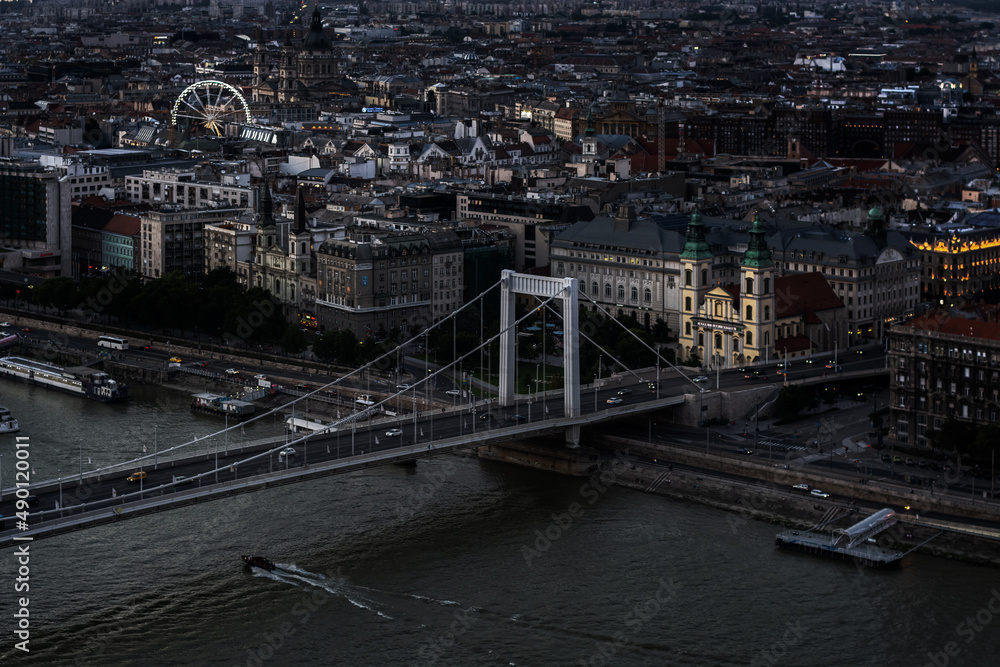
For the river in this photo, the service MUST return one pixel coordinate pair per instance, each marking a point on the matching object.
(454, 562)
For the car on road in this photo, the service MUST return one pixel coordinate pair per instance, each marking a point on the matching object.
(4, 324)
(624, 392)
(831, 364)
(897, 459)
(516, 418)
(701, 378)
(26, 330)
(910, 462)
(746, 450)
(304, 386)
(614, 400)
(782, 372)
(651, 386)
(801, 487)
(485, 415)
(886, 458)
(404, 387)
(394, 432)
(232, 371)
(454, 392)
(287, 451)
(137, 476)
(810, 361)
(175, 360)
(180, 480)
(819, 494)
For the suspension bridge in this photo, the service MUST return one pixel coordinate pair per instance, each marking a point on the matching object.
(191, 473)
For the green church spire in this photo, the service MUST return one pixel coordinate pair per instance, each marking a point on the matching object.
(696, 247)
(758, 255)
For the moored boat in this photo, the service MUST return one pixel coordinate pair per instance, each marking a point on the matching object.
(7, 423)
(81, 380)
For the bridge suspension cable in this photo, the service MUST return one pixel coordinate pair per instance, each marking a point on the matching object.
(272, 411)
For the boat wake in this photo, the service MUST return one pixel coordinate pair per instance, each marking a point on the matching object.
(296, 576)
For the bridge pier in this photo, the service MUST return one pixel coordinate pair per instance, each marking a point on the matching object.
(573, 436)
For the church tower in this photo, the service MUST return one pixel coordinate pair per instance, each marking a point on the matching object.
(757, 294)
(287, 71)
(696, 266)
(300, 239)
(267, 230)
(589, 143)
(260, 68)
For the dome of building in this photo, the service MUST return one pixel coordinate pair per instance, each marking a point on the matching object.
(316, 39)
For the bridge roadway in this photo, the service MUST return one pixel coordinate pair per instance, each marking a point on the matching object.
(93, 499)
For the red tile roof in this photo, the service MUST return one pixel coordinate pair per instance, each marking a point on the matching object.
(126, 225)
(804, 294)
(942, 322)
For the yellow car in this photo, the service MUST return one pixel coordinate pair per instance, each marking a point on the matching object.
(136, 476)
(175, 360)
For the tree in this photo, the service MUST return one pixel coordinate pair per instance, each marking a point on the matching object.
(293, 341)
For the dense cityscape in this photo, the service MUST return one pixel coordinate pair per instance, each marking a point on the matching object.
(778, 225)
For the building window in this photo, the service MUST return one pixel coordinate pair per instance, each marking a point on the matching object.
(687, 328)
(704, 277)
(767, 313)
(750, 338)
(687, 277)
(767, 286)
(607, 290)
(749, 312)
(749, 289)
(687, 303)
(718, 341)
(635, 293)
(767, 338)
(594, 289)
(621, 292)
(647, 295)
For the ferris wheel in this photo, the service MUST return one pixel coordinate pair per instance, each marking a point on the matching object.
(210, 104)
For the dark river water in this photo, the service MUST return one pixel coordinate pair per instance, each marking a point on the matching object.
(455, 562)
